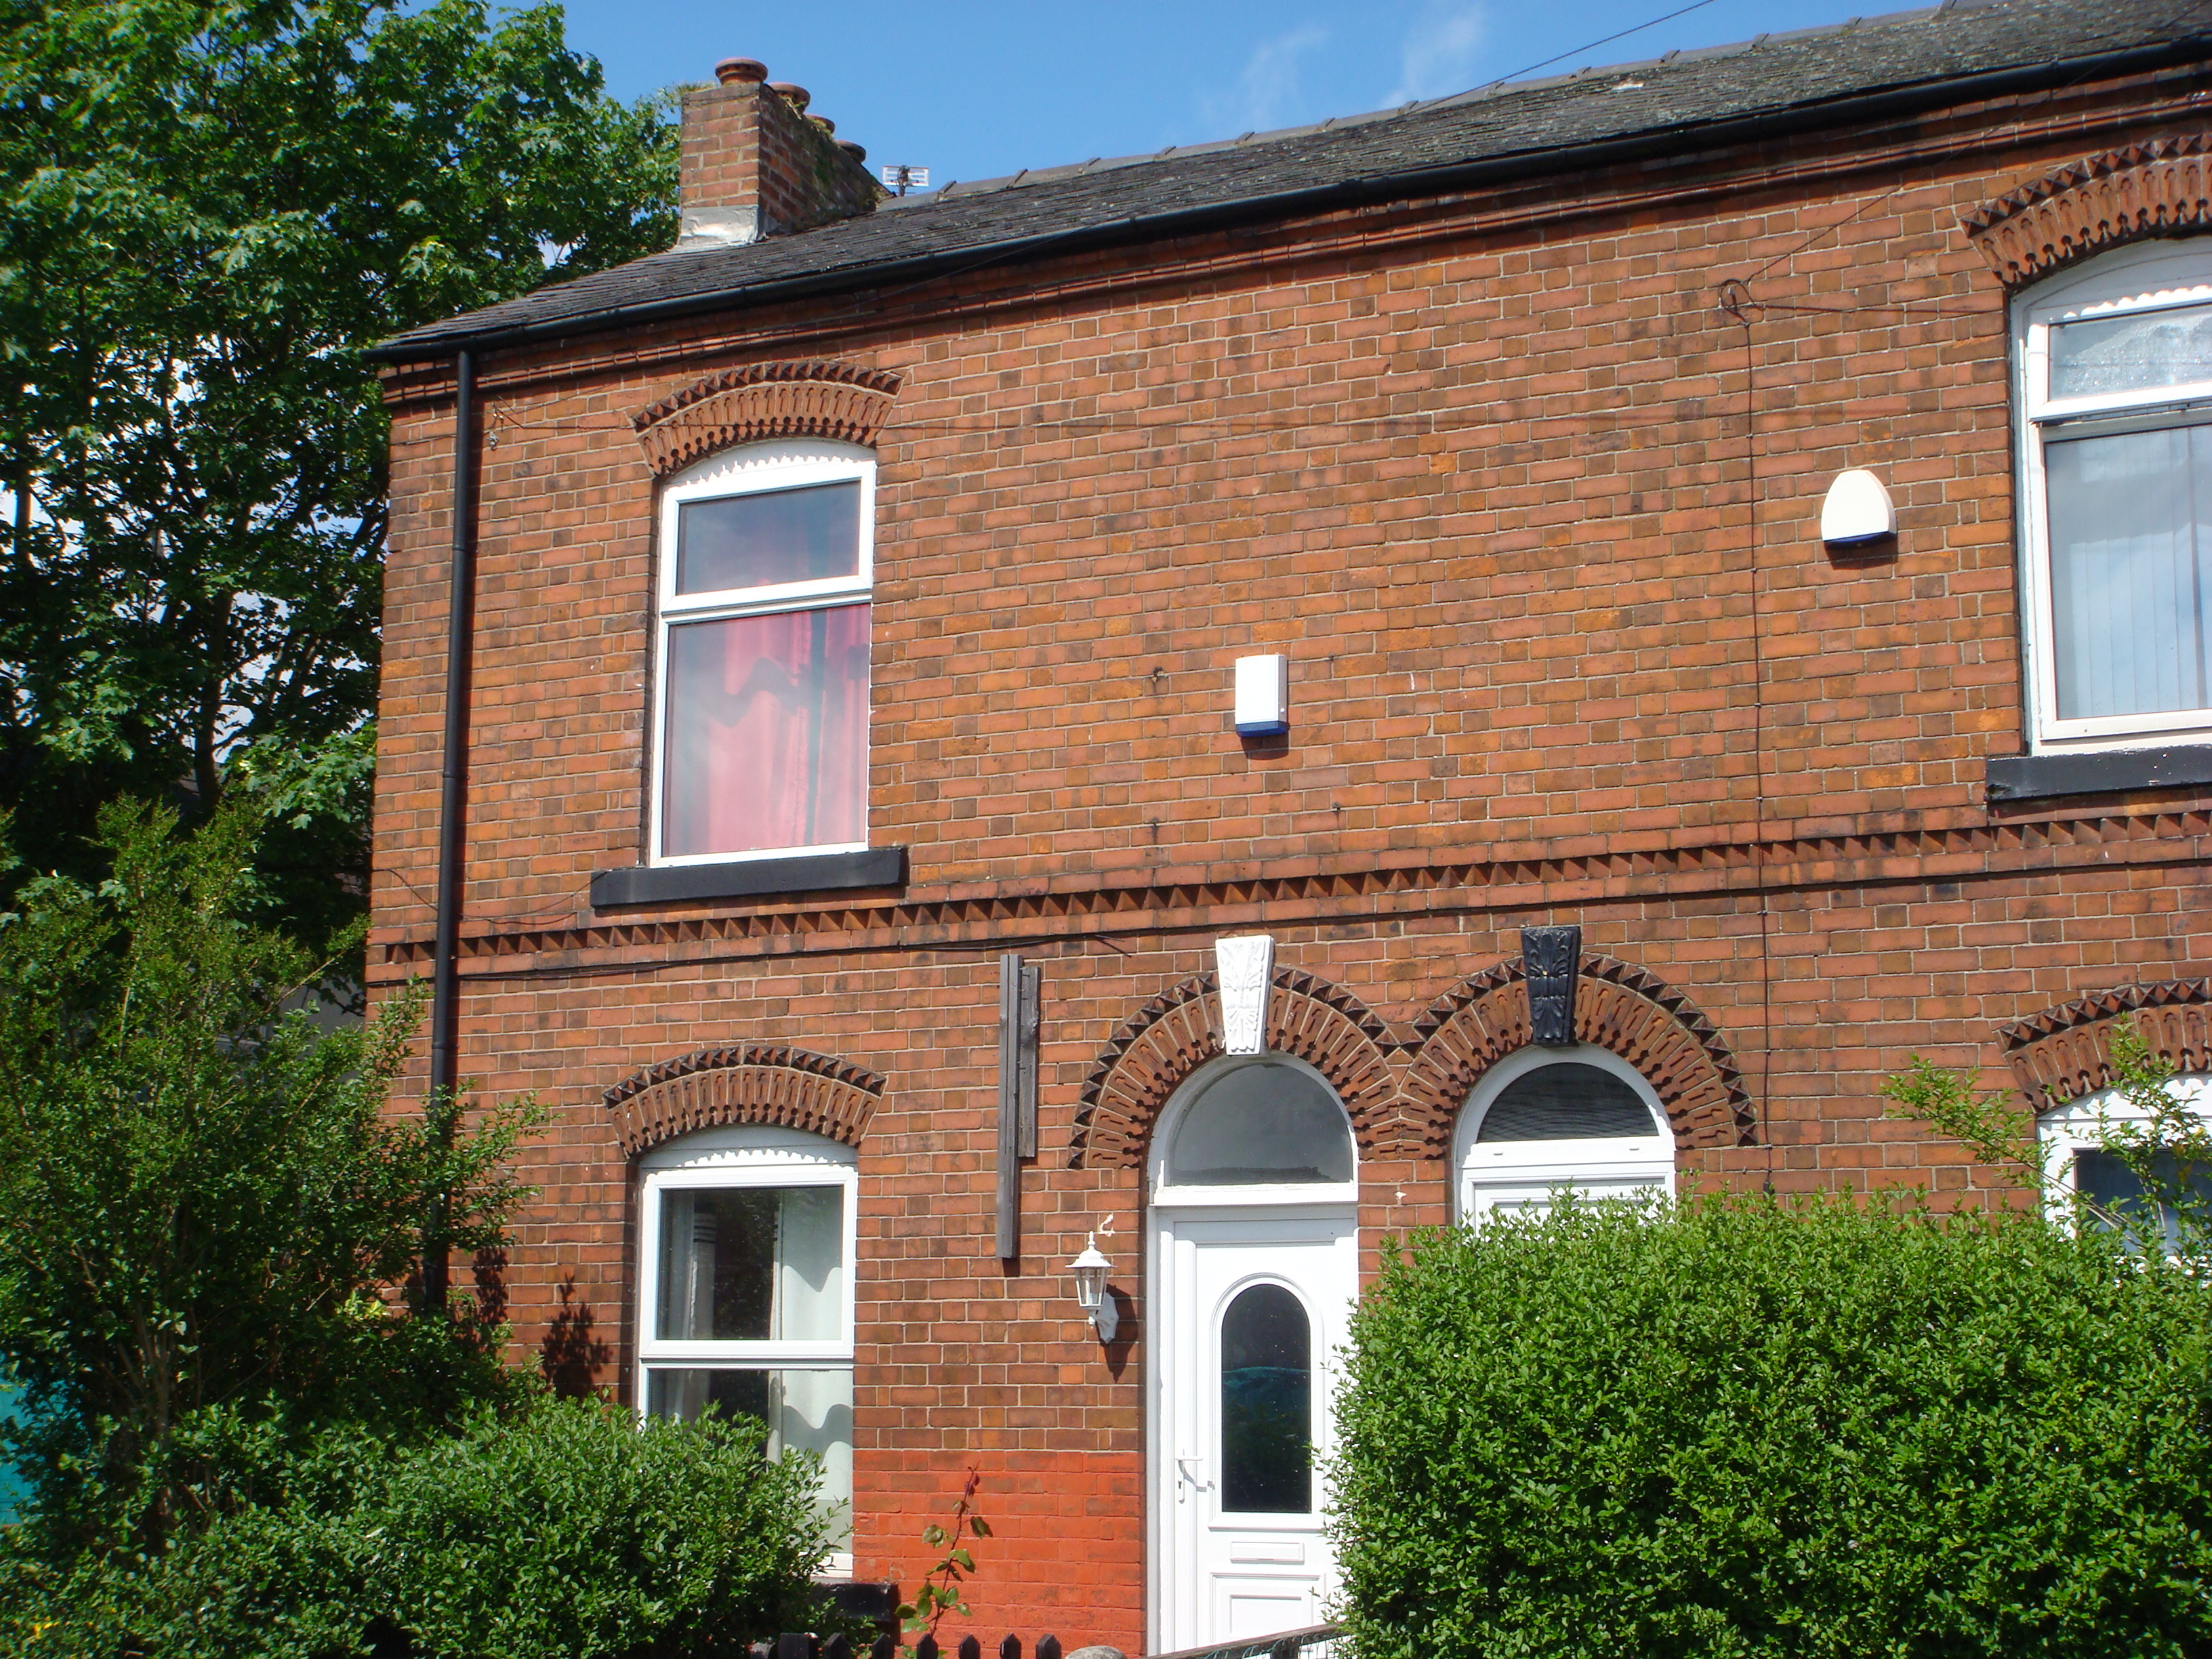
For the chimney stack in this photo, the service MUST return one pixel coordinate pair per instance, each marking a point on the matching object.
(755, 164)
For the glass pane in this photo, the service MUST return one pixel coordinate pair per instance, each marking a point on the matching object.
(1266, 1404)
(1568, 1101)
(767, 732)
(2139, 352)
(1261, 1123)
(752, 1264)
(809, 1410)
(2106, 1181)
(764, 540)
(2130, 545)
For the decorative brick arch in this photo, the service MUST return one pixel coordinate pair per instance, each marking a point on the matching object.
(1177, 1032)
(2066, 1052)
(1618, 1007)
(786, 1087)
(744, 405)
(2163, 188)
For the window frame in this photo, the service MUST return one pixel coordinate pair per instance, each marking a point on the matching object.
(2147, 277)
(760, 469)
(1563, 1162)
(2063, 1130)
(1256, 1194)
(744, 1156)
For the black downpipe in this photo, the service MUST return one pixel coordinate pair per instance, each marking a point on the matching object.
(452, 805)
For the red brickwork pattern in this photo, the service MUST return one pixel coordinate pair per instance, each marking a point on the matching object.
(2065, 1053)
(1176, 1033)
(1619, 1007)
(2161, 188)
(786, 1087)
(761, 401)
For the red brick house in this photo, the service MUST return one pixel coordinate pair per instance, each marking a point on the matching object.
(1241, 700)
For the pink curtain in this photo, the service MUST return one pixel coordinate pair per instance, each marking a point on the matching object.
(767, 743)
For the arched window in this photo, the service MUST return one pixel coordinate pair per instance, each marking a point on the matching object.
(1268, 1122)
(2113, 390)
(1266, 1403)
(746, 1291)
(1546, 1118)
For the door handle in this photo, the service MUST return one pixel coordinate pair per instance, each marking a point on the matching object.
(1185, 1478)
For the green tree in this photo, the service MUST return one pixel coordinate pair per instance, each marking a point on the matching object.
(202, 1196)
(210, 208)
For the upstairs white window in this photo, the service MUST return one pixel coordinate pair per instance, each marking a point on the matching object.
(766, 557)
(2115, 367)
(745, 1290)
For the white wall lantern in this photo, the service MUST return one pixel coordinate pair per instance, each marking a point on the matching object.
(1858, 509)
(1090, 1270)
(1263, 697)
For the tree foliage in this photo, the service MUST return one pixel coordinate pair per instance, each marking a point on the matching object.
(211, 207)
(1749, 1429)
(202, 1195)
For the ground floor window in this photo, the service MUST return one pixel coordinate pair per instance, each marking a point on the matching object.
(1545, 1119)
(745, 1290)
(2079, 1164)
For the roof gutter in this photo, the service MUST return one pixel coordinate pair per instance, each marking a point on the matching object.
(1428, 181)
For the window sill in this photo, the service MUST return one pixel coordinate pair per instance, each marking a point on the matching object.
(809, 873)
(2032, 777)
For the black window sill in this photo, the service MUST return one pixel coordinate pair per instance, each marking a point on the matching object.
(2032, 777)
(808, 873)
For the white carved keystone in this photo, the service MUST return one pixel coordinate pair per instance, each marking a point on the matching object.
(1246, 964)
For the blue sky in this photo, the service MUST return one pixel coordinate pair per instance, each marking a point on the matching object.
(974, 90)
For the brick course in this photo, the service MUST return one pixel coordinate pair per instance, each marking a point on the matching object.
(1532, 505)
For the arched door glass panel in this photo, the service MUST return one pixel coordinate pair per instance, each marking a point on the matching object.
(1261, 1125)
(1568, 1101)
(1266, 1404)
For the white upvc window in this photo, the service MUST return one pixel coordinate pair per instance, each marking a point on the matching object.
(1545, 1119)
(766, 557)
(2114, 383)
(745, 1290)
(2078, 1164)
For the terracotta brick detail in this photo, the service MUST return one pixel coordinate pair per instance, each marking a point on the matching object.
(2160, 188)
(765, 400)
(787, 1087)
(2066, 1052)
(1178, 1031)
(1619, 1007)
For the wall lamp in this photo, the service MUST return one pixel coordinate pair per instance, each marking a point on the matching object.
(1090, 1270)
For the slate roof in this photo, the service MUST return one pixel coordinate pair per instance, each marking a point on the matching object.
(1531, 127)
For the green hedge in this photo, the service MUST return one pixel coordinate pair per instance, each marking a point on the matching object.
(575, 1531)
(1750, 1428)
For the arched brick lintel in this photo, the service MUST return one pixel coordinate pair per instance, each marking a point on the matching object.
(2066, 1052)
(788, 1088)
(2161, 188)
(809, 399)
(1619, 1007)
(1160, 1045)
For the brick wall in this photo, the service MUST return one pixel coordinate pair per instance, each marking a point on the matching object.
(1535, 519)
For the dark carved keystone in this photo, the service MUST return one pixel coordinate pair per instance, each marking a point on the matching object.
(1549, 957)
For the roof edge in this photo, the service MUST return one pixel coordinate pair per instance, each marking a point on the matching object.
(1788, 119)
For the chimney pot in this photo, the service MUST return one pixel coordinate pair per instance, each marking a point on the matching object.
(735, 69)
(791, 93)
(824, 122)
(852, 149)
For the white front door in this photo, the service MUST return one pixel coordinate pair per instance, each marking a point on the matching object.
(1252, 1307)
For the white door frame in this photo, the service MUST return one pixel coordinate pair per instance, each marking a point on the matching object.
(1293, 1213)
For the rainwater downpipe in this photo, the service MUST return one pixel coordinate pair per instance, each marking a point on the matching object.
(453, 805)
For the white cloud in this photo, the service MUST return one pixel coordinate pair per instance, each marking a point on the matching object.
(1440, 51)
(1270, 90)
